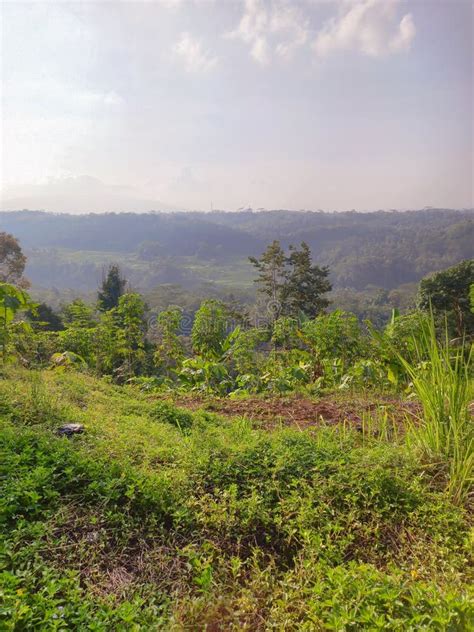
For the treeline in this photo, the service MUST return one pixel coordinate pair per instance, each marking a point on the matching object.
(286, 341)
(382, 249)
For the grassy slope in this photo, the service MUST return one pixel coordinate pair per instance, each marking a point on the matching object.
(157, 518)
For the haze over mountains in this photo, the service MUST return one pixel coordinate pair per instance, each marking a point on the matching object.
(79, 194)
(362, 250)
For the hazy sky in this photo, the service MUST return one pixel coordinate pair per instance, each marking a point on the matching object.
(332, 104)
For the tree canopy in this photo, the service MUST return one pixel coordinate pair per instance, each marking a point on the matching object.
(12, 261)
(447, 294)
(112, 288)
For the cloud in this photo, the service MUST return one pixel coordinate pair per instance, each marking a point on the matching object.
(276, 28)
(191, 53)
(366, 26)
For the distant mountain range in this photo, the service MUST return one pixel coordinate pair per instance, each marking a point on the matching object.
(383, 249)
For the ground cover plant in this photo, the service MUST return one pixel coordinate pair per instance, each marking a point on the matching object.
(160, 518)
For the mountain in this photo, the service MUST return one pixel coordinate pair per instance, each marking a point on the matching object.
(383, 249)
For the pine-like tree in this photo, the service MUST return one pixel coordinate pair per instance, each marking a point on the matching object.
(113, 287)
(271, 275)
(305, 285)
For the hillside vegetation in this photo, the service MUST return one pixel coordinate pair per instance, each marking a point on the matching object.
(207, 471)
(159, 518)
(383, 249)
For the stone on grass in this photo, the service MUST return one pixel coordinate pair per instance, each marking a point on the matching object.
(70, 429)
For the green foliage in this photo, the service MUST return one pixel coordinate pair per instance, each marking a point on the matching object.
(169, 354)
(363, 250)
(245, 354)
(285, 332)
(271, 274)
(44, 318)
(12, 261)
(286, 371)
(209, 376)
(130, 328)
(159, 518)
(79, 340)
(34, 348)
(292, 284)
(112, 288)
(12, 300)
(399, 339)
(306, 284)
(447, 294)
(441, 380)
(79, 315)
(334, 336)
(168, 413)
(108, 353)
(210, 329)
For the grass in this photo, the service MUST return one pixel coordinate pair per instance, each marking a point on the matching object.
(445, 432)
(161, 519)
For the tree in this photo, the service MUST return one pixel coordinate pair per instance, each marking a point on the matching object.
(305, 284)
(292, 283)
(210, 329)
(271, 277)
(12, 261)
(112, 288)
(447, 294)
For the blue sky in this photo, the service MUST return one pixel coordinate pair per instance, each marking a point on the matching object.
(331, 104)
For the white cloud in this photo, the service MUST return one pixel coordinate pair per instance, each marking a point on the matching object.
(192, 54)
(367, 26)
(260, 51)
(271, 28)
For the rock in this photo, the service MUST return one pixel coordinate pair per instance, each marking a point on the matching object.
(70, 429)
(66, 359)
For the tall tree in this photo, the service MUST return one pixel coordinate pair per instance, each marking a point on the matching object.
(271, 275)
(113, 287)
(306, 284)
(447, 292)
(12, 261)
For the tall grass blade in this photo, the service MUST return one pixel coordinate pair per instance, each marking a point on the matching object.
(440, 376)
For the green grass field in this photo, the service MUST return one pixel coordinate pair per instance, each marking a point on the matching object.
(156, 518)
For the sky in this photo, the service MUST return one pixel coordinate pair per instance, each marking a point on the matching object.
(228, 104)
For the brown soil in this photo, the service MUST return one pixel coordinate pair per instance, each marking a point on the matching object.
(302, 412)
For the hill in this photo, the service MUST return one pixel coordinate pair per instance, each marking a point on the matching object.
(363, 250)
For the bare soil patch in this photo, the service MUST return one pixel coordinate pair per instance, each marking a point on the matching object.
(303, 412)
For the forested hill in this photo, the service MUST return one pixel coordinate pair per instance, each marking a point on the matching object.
(384, 249)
